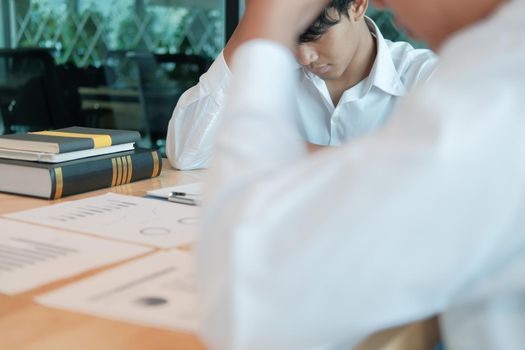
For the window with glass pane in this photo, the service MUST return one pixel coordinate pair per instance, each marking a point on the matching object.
(131, 59)
(82, 31)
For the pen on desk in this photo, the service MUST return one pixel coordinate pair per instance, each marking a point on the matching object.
(183, 198)
(182, 194)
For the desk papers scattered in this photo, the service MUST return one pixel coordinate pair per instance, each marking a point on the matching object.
(129, 218)
(31, 256)
(194, 189)
(157, 290)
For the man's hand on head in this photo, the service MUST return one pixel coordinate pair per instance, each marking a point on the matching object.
(280, 20)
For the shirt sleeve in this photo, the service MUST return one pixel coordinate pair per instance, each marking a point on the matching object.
(301, 251)
(421, 65)
(193, 123)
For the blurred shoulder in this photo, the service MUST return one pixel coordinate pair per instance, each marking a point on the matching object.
(412, 64)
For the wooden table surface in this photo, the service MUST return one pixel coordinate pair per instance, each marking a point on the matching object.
(27, 325)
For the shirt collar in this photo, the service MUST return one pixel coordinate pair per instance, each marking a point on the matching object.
(384, 74)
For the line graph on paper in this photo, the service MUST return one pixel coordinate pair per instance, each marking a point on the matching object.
(157, 290)
(134, 219)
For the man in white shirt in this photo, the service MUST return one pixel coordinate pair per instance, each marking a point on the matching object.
(425, 216)
(351, 78)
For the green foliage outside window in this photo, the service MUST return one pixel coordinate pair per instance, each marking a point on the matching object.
(85, 38)
(385, 22)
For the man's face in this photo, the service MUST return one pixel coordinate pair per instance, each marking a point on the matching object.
(329, 56)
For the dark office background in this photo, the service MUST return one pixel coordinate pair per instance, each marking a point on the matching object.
(111, 63)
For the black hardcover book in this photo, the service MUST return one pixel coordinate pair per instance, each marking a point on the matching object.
(66, 140)
(58, 180)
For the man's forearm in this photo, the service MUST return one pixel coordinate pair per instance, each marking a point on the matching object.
(193, 123)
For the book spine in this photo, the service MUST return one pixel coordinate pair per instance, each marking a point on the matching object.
(88, 176)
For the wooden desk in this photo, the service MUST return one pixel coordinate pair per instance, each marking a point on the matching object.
(25, 325)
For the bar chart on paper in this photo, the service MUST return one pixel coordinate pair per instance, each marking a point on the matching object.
(31, 255)
(140, 220)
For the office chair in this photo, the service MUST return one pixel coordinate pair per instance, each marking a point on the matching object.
(163, 78)
(23, 100)
(35, 94)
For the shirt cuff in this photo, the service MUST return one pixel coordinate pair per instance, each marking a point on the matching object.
(269, 75)
(264, 52)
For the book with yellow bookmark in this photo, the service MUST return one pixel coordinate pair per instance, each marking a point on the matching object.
(56, 180)
(66, 144)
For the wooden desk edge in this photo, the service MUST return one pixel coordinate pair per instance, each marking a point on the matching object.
(20, 311)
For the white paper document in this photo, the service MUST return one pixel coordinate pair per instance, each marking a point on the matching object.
(157, 290)
(194, 189)
(31, 256)
(129, 218)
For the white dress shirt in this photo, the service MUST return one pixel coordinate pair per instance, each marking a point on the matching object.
(361, 109)
(425, 216)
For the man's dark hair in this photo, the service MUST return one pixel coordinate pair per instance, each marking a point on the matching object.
(325, 21)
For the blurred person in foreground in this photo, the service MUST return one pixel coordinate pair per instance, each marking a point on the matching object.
(425, 216)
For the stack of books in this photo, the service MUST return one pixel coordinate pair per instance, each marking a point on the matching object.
(54, 164)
